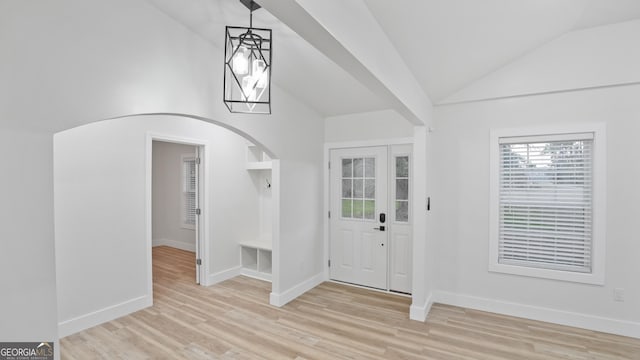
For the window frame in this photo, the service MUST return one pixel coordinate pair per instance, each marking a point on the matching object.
(597, 274)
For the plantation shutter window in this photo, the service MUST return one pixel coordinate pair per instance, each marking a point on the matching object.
(545, 197)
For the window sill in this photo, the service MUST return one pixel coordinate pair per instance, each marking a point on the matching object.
(576, 277)
(187, 227)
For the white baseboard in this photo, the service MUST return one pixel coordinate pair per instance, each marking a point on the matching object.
(579, 320)
(174, 244)
(72, 326)
(283, 298)
(256, 274)
(419, 312)
(221, 276)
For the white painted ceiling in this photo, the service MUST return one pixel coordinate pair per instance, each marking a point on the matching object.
(447, 44)
(298, 68)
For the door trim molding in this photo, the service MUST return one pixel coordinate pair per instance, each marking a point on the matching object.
(328, 146)
(366, 143)
(204, 202)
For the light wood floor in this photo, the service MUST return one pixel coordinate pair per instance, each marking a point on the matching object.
(232, 320)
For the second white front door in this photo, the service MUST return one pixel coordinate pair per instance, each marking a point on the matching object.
(359, 233)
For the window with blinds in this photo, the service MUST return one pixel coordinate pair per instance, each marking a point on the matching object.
(547, 207)
(189, 192)
(545, 202)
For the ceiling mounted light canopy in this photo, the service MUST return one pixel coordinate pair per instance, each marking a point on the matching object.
(247, 67)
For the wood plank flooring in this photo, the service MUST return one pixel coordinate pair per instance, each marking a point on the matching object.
(232, 320)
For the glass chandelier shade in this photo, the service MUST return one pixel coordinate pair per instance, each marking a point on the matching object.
(247, 69)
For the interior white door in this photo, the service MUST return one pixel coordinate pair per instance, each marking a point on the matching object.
(358, 236)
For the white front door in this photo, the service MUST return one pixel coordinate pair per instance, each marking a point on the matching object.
(359, 236)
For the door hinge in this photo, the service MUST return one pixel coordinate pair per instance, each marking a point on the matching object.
(329, 164)
(198, 211)
(329, 214)
(198, 261)
(198, 161)
(329, 263)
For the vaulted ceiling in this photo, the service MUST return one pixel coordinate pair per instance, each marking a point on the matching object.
(298, 67)
(446, 44)
(449, 44)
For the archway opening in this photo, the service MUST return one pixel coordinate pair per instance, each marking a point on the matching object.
(103, 211)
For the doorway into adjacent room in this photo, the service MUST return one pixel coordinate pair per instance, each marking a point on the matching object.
(176, 208)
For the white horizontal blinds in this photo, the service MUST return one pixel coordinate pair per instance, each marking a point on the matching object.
(546, 202)
(189, 191)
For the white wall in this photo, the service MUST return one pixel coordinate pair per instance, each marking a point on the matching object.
(462, 206)
(545, 86)
(65, 64)
(148, 63)
(261, 179)
(300, 241)
(383, 124)
(167, 195)
(27, 297)
(100, 206)
(424, 245)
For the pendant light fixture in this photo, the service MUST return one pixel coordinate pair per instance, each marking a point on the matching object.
(247, 67)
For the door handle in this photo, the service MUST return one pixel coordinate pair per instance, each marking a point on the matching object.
(381, 228)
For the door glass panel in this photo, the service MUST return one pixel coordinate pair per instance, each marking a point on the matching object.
(358, 188)
(358, 168)
(347, 168)
(358, 209)
(370, 167)
(402, 166)
(402, 189)
(346, 208)
(358, 183)
(402, 211)
(370, 188)
(346, 188)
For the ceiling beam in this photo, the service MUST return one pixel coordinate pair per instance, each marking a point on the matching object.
(348, 34)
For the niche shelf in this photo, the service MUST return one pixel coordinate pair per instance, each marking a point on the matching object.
(257, 159)
(259, 165)
(255, 257)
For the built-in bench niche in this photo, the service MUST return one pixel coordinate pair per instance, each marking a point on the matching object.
(256, 254)
(256, 259)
